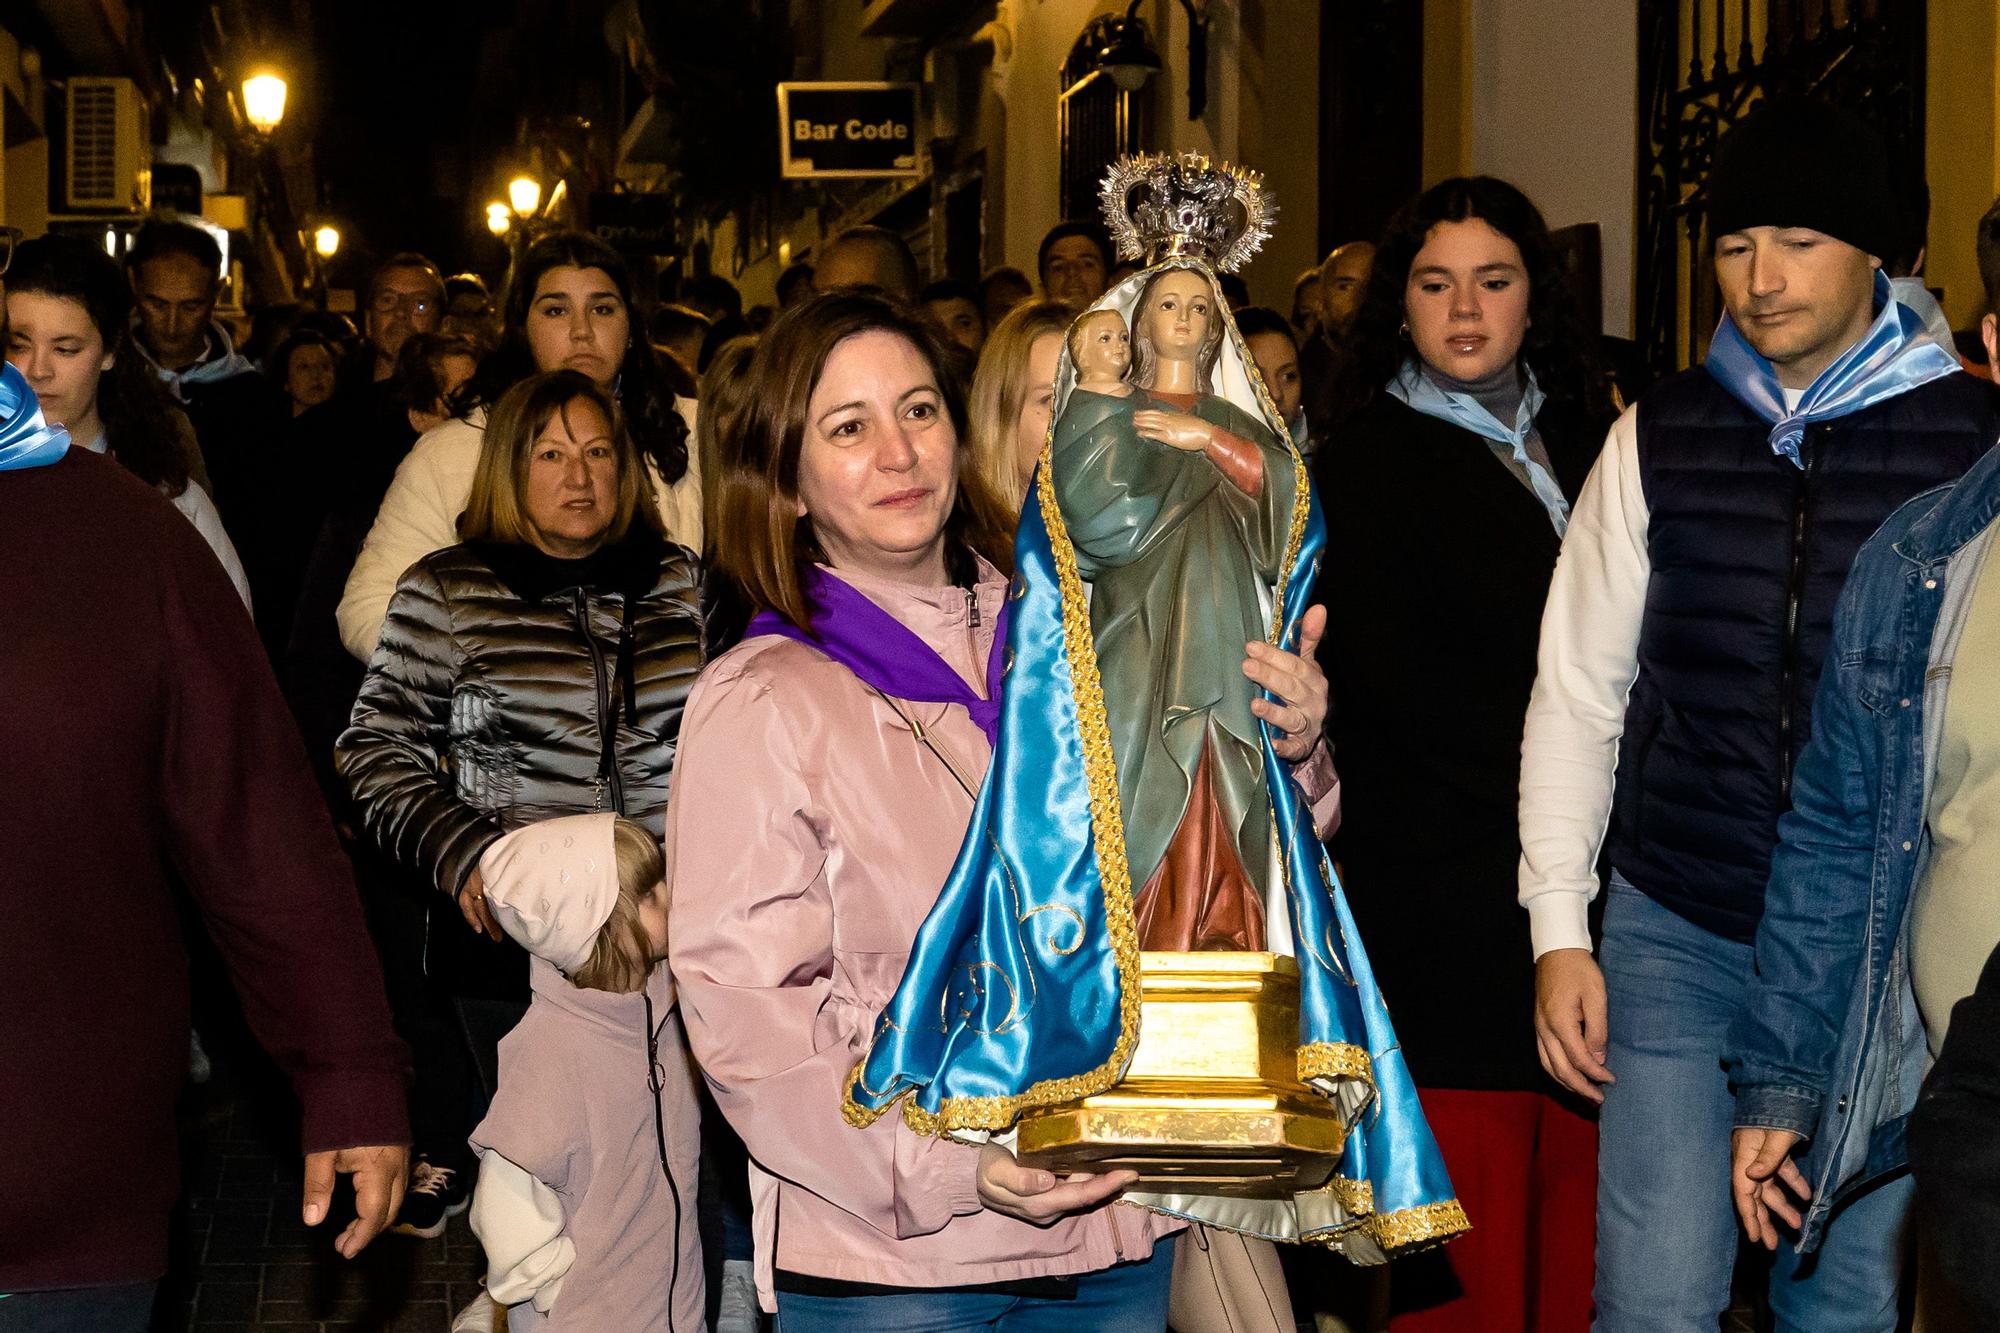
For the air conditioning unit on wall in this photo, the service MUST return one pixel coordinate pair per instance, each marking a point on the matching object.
(108, 160)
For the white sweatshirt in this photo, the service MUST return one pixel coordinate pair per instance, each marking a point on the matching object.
(1588, 659)
(198, 509)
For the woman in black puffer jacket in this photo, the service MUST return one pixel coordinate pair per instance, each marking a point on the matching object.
(536, 669)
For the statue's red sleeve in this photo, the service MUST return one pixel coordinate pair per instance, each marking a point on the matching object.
(1238, 459)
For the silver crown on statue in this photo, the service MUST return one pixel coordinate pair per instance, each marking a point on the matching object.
(1162, 206)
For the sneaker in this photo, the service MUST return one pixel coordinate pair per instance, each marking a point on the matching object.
(738, 1312)
(434, 1197)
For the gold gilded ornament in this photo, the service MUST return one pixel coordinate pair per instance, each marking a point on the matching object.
(1211, 1102)
(1162, 206)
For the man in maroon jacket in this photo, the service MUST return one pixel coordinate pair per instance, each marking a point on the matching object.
(141, 736)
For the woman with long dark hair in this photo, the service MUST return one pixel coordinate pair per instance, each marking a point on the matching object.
(1555, 346)
(571, 306)
(69, 333)
(1471, 417)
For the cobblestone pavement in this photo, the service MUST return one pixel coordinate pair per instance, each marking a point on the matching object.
(243, 1260)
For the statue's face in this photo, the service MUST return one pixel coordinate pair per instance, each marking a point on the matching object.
(1103, 347)
(1178, 310)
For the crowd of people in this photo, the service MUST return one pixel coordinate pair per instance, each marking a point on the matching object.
(564, 836)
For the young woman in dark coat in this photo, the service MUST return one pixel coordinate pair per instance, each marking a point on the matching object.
(1471, 417)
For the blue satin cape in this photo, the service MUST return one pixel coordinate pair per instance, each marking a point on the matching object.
(26, 438)
(1022, 988)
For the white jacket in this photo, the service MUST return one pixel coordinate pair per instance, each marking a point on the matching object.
(195, 504)
(1585, 667)
(420, 515)
(200, 511)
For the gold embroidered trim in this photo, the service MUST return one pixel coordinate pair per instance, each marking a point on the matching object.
(1114, 875)
(1392, 1234)
(1356, 1196)
(1335, 1059)
(1418, 1228)
(1302, 486)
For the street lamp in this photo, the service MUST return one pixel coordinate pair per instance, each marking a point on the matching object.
(1123, 48)
(498, 219)
(525, 193)
(264, 101)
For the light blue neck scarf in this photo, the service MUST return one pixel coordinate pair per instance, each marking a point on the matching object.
(1894, 356)
(1423, 394)
(26, 438)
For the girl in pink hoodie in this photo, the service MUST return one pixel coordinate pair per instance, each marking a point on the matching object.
(588, 1156)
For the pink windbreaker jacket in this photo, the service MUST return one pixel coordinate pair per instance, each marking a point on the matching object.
(807, 837)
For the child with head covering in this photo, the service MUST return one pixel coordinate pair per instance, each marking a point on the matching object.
(588, 1156)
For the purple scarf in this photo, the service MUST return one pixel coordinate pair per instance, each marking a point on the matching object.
(884, 653)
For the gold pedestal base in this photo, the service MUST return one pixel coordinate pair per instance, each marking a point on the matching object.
(1211, 1103)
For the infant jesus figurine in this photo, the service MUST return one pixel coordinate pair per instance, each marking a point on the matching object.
(1100, 347)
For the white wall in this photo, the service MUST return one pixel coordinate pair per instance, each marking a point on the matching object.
(1263, 112)
(1554, 109)
(1024, 195)
(1264, 66)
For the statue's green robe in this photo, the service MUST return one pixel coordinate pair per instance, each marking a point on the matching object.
(1175, 554)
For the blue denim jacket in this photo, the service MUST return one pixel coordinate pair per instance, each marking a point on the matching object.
(1829, 1044)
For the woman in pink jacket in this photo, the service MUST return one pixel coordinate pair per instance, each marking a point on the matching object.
(827, 772)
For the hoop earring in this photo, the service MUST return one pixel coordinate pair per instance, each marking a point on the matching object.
(1404, 331)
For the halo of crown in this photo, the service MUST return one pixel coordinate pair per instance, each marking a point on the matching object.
(1161, 206)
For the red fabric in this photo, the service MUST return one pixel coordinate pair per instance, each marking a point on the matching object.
(1238, 460)
(1525, 1167)
(1200, 898)
(144, 741)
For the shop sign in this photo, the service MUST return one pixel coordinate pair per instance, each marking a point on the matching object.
(635, 224)
(847, 130)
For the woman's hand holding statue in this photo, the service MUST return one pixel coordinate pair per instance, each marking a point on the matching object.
(1298, 718)
(1040, 1197)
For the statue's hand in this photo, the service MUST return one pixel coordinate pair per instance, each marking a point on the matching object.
(1178, 429)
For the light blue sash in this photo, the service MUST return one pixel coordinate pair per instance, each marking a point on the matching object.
(26, 438)
(1424, 394)
(1894, 356)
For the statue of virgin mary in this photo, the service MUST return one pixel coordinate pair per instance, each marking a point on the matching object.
(1134, 801)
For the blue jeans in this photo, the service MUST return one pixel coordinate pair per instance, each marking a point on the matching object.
(1666, 1227)
(1129, 1298)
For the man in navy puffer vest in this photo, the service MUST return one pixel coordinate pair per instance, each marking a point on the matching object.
(1680, 648)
